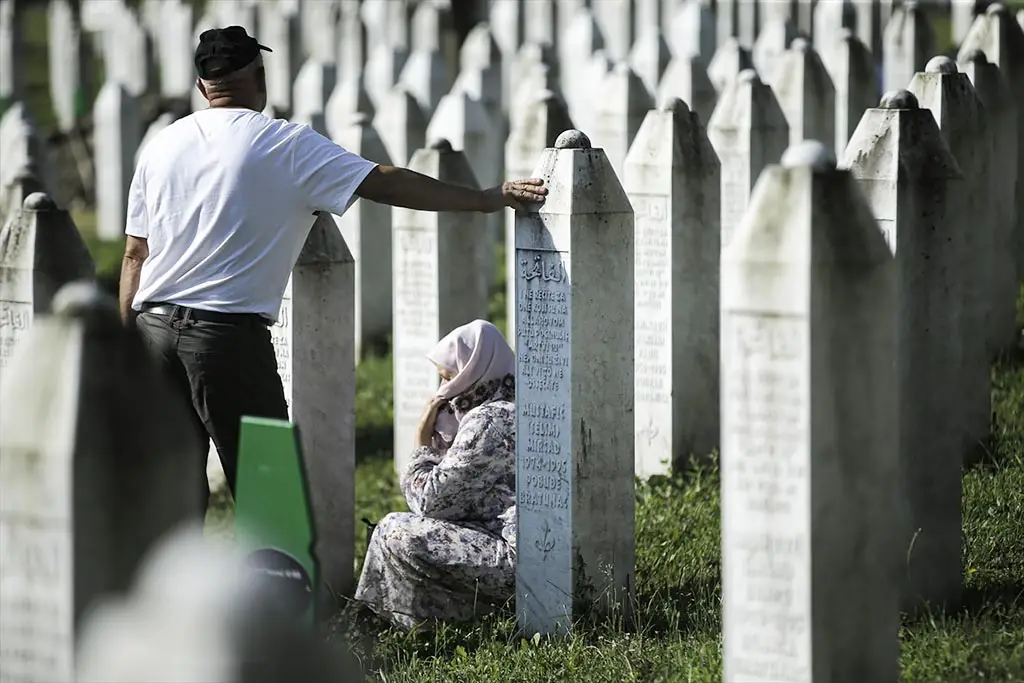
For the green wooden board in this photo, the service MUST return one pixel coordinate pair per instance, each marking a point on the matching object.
(272, 510)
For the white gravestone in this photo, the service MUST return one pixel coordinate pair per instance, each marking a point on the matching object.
(673, 182)
(773, 41)
(965, 127)
(69, 54)
(543, 121)
(994, 93)
(574, 393)
(650, 57)
(619, 106)
(748, 131)
(729, 61)
(41, 250)
(383, 67)
(438, 286)
(810, 563)
(12, 51)
(315, 358)
(313, 87)
(912, 184)
(401, 124)
(1002, 40)
(806, 94)
(98, 459)
(366, 227)
(855, 78)
(175, 50)
(908, 44)
(687, 78)
(281, 31)
(117, 136)
(692, 29)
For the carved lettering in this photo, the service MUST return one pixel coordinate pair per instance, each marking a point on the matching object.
(281, 338)
(766, 497)
(15, 320)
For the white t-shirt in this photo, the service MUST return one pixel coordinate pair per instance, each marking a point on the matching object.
(225, 199)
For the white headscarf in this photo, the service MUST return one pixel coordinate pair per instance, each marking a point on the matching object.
(475, 354)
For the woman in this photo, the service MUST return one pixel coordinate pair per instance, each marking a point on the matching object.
(453, 555)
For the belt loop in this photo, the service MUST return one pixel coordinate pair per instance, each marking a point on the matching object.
(186, 319)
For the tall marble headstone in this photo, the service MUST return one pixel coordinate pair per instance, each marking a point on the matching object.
(806, 94)
(438, 286)
(908, 44)
(964, 125)
(855, 78)
(41, 250)
(366, 227)
(673, 182)
(574, 393)
(69, 53)
(79, 507)
(314, 345)
(994, 92)
(620, 105)
(401, 124)
(687, 78)
(117, 137)
(810, 563)
(748, 131)
(912, 184)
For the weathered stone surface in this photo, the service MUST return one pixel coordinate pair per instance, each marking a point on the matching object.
(912, 183)
(574, 392)
(809, 433)
(673, 181)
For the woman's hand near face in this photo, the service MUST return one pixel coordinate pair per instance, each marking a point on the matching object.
(426, 428)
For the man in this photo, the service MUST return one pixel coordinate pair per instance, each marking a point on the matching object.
(220, 207)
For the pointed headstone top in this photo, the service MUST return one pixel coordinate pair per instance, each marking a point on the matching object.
(899, 99)
(83, 300)
(40, 201)
(748, 76)
(441, 145)
(976, 55)
(996, 8)
(673, 104)
(572, 139)
(809, 153)
(940, 65)
(800, 45)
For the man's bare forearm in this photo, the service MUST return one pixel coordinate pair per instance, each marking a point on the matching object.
(411, 190)
(131, 271)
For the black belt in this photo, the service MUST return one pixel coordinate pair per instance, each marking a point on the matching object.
(204, 316)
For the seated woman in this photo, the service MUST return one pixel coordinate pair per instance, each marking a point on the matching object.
(453, 555)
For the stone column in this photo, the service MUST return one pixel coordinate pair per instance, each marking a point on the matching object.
(994, 92)
(673, 181)
(438, 286)
(620, 105)
(545, 119)
(907, 44)
(748, 131)
(117, 136)
(913, 184)
(79, 507)
(41, 250)
(728, 62)
(315, 358)
(855, 78)
(574, 387)
(401, 124)
(810, 563)
(964, 126)
(687, 78)
(806, 94)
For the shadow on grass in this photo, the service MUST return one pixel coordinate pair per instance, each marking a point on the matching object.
(979, 600)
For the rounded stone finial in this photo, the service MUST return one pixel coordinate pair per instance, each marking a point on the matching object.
(811, 153)
(748, 76)
(441, 145)
(800, 44)
(572, 139)
(39, 201)
(845, 34)
(673, 104)
(977, 56)
(899, 99)
(996, 8)
(940, 65)
(83, 299)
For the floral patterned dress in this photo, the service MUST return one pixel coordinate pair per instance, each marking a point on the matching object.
(454, 555)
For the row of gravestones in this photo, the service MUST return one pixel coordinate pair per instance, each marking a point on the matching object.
(831, 279)
(497, 71)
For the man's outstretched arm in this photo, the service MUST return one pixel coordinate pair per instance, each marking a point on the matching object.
(411, 190)
(136, 251)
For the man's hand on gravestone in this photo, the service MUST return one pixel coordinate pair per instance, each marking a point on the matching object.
(513, 194)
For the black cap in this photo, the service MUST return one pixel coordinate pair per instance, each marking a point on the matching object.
(224, 50)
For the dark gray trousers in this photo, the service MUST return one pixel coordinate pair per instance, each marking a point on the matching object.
(224, 370)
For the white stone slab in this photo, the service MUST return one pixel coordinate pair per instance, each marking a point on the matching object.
(810, 562)
(806, 94)
(78, 506)
(907, 44)
(118, 131)
(574, 376)
(438, 286)
(401, 124)
(855, 78)
(748, 131)
(912, 184)
(687, 78)
(728, 62)
(673, 181)
(619, 105)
